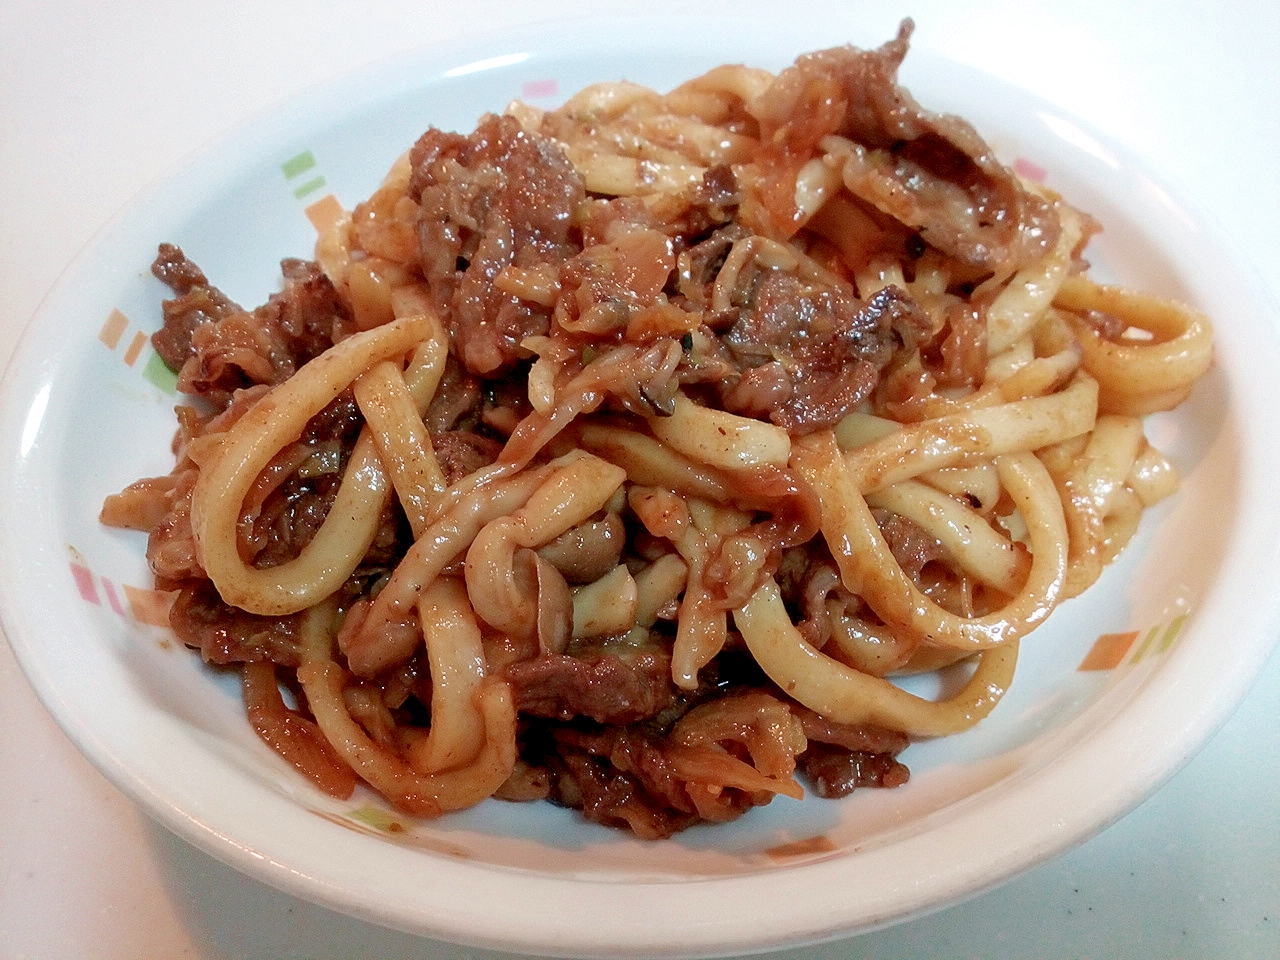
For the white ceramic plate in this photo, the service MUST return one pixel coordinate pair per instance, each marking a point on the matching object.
(1179, 626)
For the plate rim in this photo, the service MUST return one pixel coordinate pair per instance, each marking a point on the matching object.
(224, 847)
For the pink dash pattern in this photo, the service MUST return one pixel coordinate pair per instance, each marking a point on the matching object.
(84, 583)
(1031, 171)
(145, 606)
(113, 598)
(536, 89)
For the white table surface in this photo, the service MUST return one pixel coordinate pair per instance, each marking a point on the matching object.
(97, 100)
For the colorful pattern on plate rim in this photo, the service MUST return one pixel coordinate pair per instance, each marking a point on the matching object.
(151, 607)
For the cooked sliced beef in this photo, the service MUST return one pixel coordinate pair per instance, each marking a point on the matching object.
(497, 198)
(931, 172)
(217, 347)
(810, 355)
(605, 687)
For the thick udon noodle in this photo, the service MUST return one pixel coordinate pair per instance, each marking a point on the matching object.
(1024, 476)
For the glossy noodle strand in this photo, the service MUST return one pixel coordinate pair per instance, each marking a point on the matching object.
(626, 455)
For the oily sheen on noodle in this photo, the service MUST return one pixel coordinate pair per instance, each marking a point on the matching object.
(621, 455)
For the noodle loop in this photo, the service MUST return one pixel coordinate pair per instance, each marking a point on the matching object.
(626, 455)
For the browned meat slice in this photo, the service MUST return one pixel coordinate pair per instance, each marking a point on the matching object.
(842, 757)
(605, 687)
(196, 303)
(217, 348)
(619, 777)
(461, 452)
(497, 198)
(224, 634)
(912, 546)
(931, 172)
(809, 355)
(837, 771)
